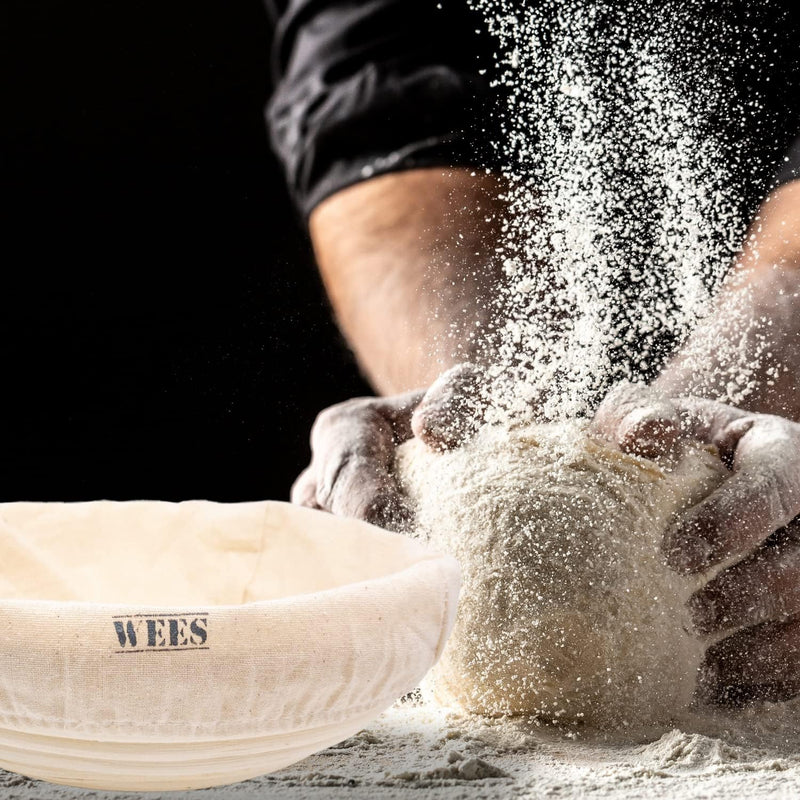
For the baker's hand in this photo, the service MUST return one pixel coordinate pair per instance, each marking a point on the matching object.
(353, 445)
(752, 516)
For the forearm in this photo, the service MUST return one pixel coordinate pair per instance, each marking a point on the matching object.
(754, 330)
(409, 263)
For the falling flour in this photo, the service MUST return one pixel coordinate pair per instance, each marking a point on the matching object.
(568, 610)
(624, 168)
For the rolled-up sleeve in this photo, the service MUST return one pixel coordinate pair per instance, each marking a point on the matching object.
(365, 87)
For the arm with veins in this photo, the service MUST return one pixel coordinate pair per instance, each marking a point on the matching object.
(408, 263)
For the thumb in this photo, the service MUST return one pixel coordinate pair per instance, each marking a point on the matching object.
(453, 409)
(639, 419)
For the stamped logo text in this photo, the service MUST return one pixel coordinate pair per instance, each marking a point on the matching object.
(142, 633)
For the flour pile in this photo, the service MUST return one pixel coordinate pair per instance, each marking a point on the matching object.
(415, 752)
(568, 610)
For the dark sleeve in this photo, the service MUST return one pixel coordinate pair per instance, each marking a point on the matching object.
(790, 170)
(365, 87)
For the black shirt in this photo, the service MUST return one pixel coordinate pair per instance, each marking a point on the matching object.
(364, 87)
(790, 169)
(163, 332)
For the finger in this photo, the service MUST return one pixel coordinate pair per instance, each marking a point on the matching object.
(398, 410)
(304, 489)
(639, 419)
(353, 446)
(761, 496)
(452, 409)
(759, 663)
(765, 586)
(713, 422)
(364, 489)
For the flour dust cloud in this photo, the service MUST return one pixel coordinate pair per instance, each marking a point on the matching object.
(623, 215)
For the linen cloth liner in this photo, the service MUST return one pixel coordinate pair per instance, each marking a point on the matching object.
(300, 619)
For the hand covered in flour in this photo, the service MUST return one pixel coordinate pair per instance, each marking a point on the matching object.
(753, 517)
(353, 445)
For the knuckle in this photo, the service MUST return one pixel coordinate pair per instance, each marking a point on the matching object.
(303, 491)
(333, 415)
(385, 509)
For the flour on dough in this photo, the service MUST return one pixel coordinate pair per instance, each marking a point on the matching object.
(568, 610)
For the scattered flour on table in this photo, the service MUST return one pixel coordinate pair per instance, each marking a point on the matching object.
(420, 747)
(568, 610)
(410, 752)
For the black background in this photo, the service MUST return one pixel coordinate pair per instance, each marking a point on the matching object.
(163, 332)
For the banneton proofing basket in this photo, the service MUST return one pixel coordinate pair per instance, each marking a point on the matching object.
(153, 645)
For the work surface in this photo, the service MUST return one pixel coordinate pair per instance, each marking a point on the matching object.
(422, 752)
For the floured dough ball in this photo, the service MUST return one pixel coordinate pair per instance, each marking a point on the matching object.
(568, 610)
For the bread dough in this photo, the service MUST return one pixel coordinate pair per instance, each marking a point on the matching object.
(568, 610)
